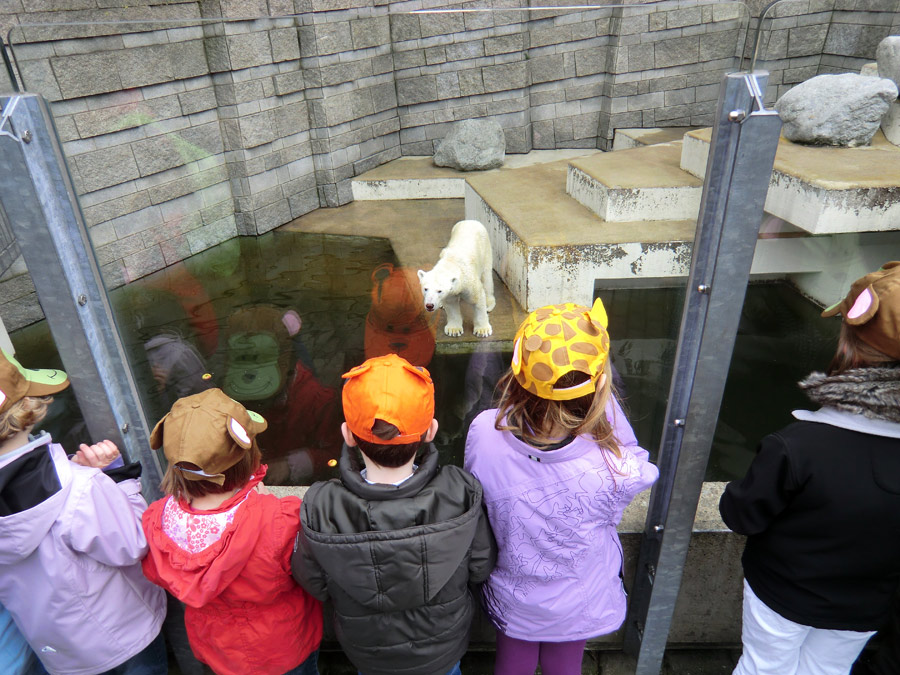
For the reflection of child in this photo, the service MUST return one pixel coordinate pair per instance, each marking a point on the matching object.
(71, 542)
(559, 464)
(821, 502)
(395, 545)
(222, 544)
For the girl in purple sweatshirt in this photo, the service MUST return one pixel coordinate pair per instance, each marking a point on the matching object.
(559, 463)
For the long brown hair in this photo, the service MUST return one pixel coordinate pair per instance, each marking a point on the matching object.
(535, 419)
(852, 353)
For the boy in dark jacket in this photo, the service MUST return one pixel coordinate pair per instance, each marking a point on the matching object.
(396, 541)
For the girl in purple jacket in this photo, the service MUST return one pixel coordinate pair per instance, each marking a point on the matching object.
(71, 543)
(559, 463)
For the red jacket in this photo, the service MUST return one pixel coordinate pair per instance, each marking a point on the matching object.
(245, 613)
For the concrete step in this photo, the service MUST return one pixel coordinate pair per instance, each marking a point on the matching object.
(823, 190)
(643, 183)
(637, 138)
(547, 246)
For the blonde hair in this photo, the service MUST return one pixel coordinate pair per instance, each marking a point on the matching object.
(24, 413)
(537, 420)
(174, 483)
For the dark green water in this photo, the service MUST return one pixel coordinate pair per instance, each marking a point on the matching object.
(224, 318)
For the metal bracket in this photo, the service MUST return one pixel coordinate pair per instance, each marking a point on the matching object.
(6, 118)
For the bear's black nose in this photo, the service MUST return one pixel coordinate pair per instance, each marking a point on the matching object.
(429, 307)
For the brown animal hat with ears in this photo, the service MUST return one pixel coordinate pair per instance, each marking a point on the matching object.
(872, 307)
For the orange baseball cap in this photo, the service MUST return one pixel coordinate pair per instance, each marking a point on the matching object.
(388, 388)
(17, 382)
(556, 340)
(210, 430)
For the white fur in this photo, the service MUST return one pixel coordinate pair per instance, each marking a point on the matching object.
(464, 269)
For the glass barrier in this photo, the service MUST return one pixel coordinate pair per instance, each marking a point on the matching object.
(260, 193)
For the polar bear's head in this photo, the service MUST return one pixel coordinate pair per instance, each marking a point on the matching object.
(437, 285)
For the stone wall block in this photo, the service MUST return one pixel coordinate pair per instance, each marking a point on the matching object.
(505, 44)
(257, 129)
(414, 90)
(689, 16)
(409, 58)
(405, 27)
(86, 74)
(461, 51)
(285, 44)
(291, 119)
(114, 208)
(676, 52)
(806, 40)
(447, 85)
(215, 233)
(435, 55)
(106, 167)
(546, 68)
(505, 77)
(370, 32)
(217, 57)
(384, 97)
(850, 39)
(188, 59)
(249, 49)
(440, 24)
(332, 38)
(289, 83)
(197, 100)
(657, 21)
(721, 45)
(640, 57)
(634, 25)
(591, 61)
(352, 71)
(145, 65)
(541, 37)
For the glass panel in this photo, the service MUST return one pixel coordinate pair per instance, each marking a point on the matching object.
(183, 133)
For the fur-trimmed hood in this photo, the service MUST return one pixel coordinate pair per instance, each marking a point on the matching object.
(871, 392)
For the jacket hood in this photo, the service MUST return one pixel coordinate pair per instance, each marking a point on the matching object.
(34, 485)
(198, 578)
(389, 569)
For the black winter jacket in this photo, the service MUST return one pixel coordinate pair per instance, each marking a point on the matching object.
(821, 507)
(396, 562)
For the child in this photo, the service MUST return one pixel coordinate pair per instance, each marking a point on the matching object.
(821, 502)
(221, 543)
(394, 543)
(71, 542)
(559, 464)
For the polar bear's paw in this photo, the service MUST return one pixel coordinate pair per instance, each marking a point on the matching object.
(483, 331)
(453, 330)
(491, 303)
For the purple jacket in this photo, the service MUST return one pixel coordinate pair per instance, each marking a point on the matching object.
(554, 514)
(70, 548)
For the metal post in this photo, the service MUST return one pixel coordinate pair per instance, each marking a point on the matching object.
(741, 155)
(37, 194)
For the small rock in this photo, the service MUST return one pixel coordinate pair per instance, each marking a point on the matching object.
(869, 70)
(843, 110)
(472, 145)
(888, 57)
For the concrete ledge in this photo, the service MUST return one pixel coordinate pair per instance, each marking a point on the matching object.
(823, 190)
(708, 609)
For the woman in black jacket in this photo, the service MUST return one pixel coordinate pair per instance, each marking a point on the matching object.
(820, 504)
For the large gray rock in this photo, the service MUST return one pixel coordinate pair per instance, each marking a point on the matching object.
(888, 58)
(472, 145)
(843, 110)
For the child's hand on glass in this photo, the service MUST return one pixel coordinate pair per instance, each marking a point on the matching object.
(97, 456)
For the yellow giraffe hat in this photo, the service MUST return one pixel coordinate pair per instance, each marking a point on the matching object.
(556, 340)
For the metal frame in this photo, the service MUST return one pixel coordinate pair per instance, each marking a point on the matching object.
(37, 194)
(741, 156)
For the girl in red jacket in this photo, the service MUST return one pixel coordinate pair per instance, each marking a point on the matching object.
(220, 543)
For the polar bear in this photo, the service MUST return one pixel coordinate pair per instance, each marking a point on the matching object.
(464, 268)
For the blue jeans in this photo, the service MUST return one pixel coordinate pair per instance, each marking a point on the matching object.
(308, 667)
(453, 671)
(152, 660)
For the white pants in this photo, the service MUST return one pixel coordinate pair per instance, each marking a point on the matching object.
(774, 645)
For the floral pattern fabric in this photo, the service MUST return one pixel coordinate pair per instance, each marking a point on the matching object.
(194, 532)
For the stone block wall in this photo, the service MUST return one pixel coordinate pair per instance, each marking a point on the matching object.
(183, 131)
(805, 38)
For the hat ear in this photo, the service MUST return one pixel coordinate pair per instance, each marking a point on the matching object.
(864, 307)
(239, 434)
(598, 313)
(156, 436)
